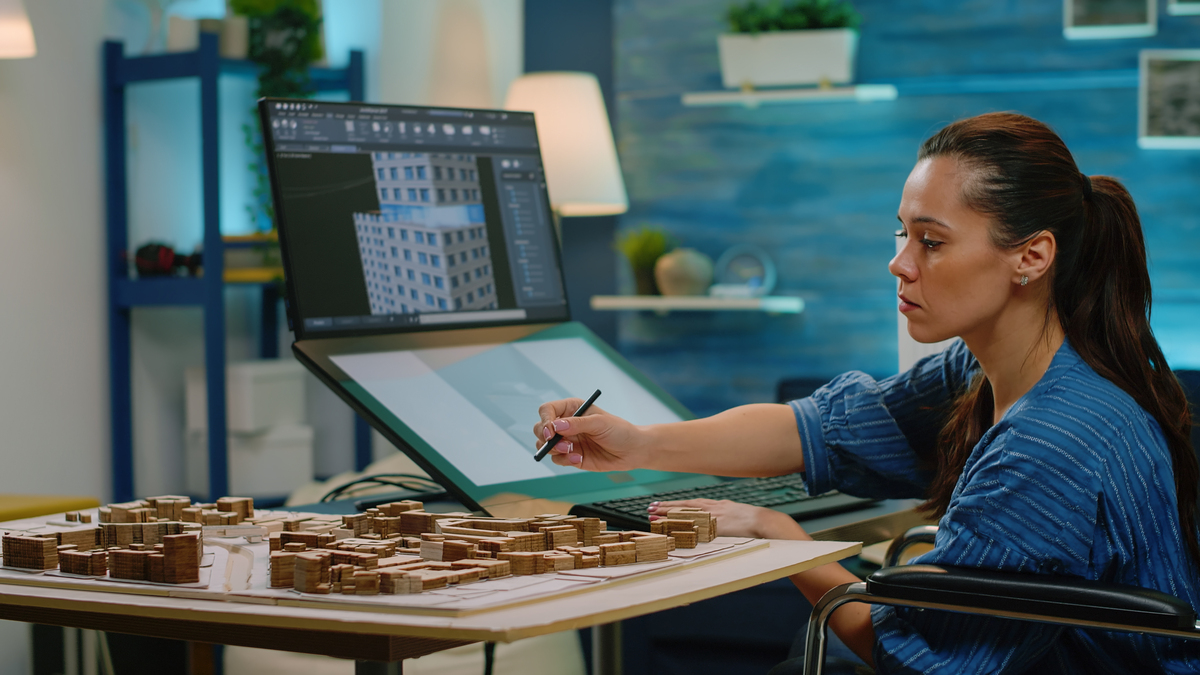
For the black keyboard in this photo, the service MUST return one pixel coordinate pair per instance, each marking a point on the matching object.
(782, 493)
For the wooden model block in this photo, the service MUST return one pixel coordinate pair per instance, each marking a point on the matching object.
(527, 541)
(588, 561)
(651, 547)
(622, 553)
(181, 563)
(524, 562)
(283, 567)
(85, 517)
(129, 564)
(72, 516)
(684, 538)
(560, 535)
(706, 524)
(243, 506)
(292, 524)
(605, 538)
(36, 553)
(558, 562)
(394, 509)
(83, 563)
(491, 569)
(309, 539)
(366, 582)
(416, 522)
(157, 568)
(398, 560)
(86, 539)
(467, 575)
(312, 572)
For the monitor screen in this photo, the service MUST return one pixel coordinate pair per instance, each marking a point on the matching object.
(405, 218)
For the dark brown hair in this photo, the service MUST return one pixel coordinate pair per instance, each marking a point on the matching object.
(1025, 179)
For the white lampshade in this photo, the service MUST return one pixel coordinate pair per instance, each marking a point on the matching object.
(582, 173)
(16, 33)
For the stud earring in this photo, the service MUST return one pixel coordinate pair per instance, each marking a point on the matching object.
(1024, 279)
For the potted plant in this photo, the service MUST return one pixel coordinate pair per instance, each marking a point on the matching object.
(642, 248)
(797, 42)
(284, 40)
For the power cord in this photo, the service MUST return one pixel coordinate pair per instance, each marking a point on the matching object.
(404, 481)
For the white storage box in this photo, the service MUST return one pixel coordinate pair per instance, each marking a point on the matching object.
(259, 395)
(272, 463)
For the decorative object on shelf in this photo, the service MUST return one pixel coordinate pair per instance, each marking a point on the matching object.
(684, 271)
(1183, 7)
(583, 174)
(1168, 98)
(284, 40)
(789, 43)
(744, 271)
(642, 248)
(16, 33)
(1106, 19)
(159, 260)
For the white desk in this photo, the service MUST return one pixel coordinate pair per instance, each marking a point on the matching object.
(375, 637)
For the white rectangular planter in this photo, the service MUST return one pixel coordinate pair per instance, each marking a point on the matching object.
(788, 57)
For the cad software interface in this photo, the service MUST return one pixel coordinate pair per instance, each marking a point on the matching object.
(397, 216)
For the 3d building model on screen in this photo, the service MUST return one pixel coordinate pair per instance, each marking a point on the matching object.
(426, 249)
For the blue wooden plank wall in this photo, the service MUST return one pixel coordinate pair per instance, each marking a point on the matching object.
(818, 184)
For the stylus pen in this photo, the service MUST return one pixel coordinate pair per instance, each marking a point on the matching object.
(558, 437)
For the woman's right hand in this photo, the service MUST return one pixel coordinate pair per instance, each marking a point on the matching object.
(596, 441)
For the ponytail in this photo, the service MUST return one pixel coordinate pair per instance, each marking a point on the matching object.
(1024, 177)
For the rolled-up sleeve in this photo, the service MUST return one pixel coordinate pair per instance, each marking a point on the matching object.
(867, 437)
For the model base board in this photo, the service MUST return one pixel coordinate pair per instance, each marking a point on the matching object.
(397, 555)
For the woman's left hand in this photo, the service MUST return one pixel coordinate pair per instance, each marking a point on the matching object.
(735, 519)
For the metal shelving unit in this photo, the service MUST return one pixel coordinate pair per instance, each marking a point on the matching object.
(126, 292)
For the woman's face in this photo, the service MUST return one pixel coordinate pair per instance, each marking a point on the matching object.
(953, 280)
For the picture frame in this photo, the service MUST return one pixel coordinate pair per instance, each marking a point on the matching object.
(1183, 7)
(1169, 99)
(1108, 19)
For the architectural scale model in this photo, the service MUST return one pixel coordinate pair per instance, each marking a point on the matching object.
(397, 548)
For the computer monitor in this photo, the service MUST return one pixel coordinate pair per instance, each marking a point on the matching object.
(407, 218)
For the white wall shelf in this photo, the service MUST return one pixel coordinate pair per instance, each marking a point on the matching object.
(771, 304)
(752, 98)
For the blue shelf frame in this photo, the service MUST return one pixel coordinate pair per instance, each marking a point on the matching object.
(126, 293)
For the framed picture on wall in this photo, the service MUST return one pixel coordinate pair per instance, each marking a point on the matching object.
(1169, 99)
(1183, 7)
(1105, 19)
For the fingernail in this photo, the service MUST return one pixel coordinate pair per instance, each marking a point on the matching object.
(565, 447)
(575, 458)
(654, 518)
(653, 503)
(561, 425)
(547, 432)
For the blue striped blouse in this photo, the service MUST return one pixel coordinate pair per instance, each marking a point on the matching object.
(1075, 480)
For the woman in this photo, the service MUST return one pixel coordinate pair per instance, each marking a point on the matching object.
(1052, 439)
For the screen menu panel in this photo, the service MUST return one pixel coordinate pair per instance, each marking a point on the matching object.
(406, 218)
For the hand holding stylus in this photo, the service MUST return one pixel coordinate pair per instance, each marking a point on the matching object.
(593, 440)
(552, 441)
